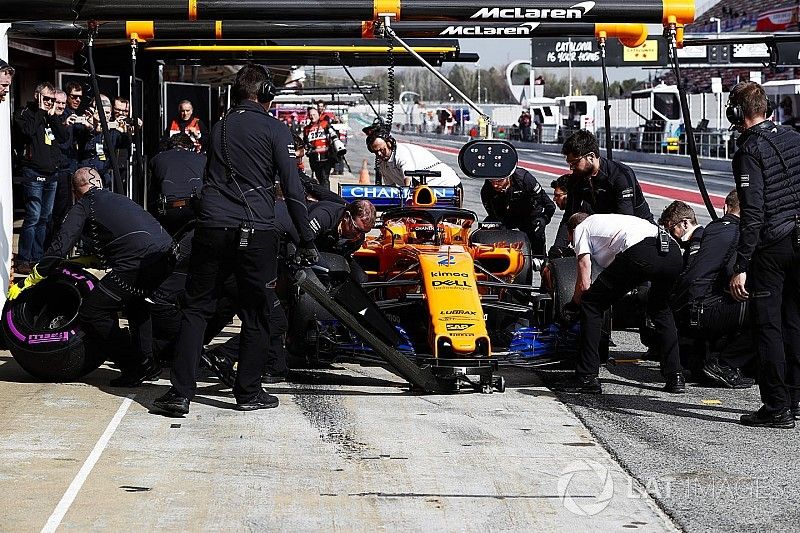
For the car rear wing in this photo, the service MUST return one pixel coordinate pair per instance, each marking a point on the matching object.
(385, 197)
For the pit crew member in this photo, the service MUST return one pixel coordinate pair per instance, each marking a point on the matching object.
(680, 220)
(176, 180)
(395, 158)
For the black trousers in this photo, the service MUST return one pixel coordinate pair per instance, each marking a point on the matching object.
(773, 281)
(724, 322)
(639, 263)
(276, 352)
(176, 218)
(322, 171)
(117, 291)
(215, 256)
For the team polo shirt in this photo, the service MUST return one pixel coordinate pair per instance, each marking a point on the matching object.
(605, 236)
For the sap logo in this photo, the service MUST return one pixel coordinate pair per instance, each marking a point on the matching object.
(574, 12)
(457, 327)
(446, 259)
(449, 275)
(449, 283)
(458, 312)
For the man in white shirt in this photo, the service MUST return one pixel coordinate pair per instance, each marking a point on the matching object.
(394, 159)
(630, 251)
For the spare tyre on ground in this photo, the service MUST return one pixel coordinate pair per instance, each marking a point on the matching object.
(42, 328)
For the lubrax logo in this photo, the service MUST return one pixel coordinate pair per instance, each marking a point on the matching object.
(574, 12)
(457, 326)
(449, 283)
(524, 29)
(449, 275)
(458, 312)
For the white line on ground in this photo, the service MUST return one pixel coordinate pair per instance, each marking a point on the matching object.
(72, 491)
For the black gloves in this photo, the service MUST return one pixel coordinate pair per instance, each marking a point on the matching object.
(306, 255)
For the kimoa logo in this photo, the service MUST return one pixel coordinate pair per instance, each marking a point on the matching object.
(573, 12)
(526, 28)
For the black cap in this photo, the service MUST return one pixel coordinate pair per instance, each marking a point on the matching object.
(3, 64)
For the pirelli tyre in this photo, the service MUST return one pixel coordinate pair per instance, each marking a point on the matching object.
(42, 327)
(508, 236)
(564, 272)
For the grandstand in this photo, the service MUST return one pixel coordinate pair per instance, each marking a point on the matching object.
(740, 16)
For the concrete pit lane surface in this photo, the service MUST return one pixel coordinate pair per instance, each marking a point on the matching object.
(349, 449)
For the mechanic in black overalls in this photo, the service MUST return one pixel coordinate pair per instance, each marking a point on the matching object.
(342, 229)
(702, 307)
(680, 220)
(766, 167)
(518, 201)
(176, 177)
(598, 185)
(248, 151)
(139, 251)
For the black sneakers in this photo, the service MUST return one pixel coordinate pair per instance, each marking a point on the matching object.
(795, 409)
(762, 419)
(261, 401)
(580, 384)
(676, 383)
(172, 403)
(148, 371)
(727, 376)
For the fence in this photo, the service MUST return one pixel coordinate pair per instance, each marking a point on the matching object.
(717, 144)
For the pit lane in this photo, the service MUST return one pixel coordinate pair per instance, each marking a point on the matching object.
(349, 450)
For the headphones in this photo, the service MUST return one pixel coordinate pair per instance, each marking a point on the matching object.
(734, 111)
(267, 90)
(381, 133)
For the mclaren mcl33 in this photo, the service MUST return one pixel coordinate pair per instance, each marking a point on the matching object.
(447, 291)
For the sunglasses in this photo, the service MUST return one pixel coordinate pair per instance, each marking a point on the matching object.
(74, 96)
(48, 98)
(573, 162)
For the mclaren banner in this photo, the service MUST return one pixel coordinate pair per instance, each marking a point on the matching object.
(585, 52)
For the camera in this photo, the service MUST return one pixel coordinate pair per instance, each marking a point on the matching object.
(338, 146)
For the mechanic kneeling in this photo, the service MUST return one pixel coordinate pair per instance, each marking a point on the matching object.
(140, 254)
(518, 201)
(631, 251)
(704, 309)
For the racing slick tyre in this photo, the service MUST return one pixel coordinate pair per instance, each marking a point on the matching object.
(42, 327)
(564, 272)
(510, 236)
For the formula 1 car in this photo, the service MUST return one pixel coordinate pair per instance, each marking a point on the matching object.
(450, 293)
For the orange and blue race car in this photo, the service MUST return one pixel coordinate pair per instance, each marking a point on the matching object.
(447, 291)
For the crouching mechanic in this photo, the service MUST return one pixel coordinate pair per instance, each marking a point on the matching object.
(518, 201)
(630, 251)
(680, 220)
(140, 253)
(702, 306)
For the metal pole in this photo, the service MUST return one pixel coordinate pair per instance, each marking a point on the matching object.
(670, 33)
(569, 49)
(642, 11)
(270, 29)
(6, 193)
(606, 106)
(387, 28)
